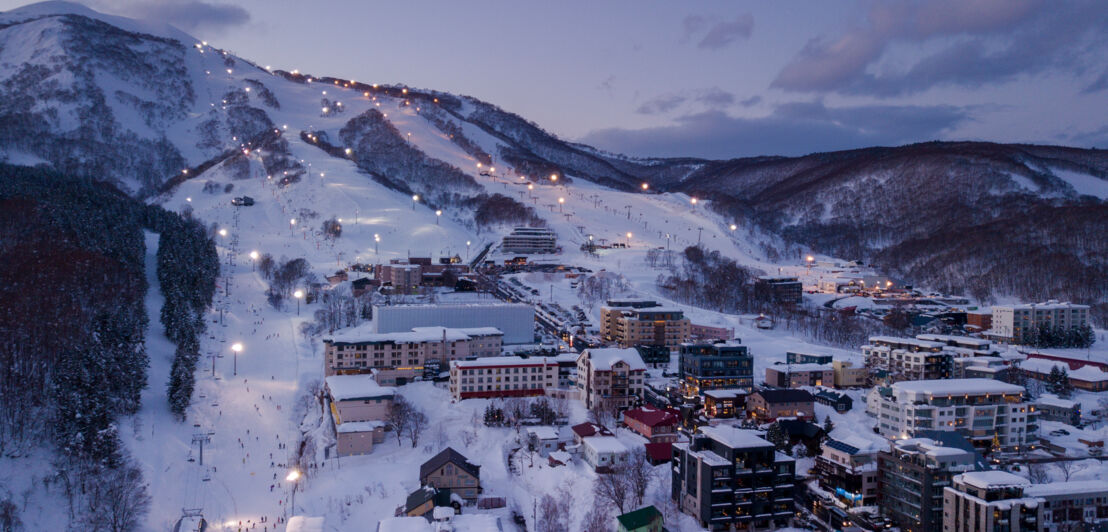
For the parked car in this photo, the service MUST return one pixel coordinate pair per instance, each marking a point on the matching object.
(244, 201)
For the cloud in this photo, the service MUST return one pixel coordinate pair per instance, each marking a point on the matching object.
(188, 15)
(1097, 85)
(712, 98)
(719, 34)
(976, 42)
(751, 101)
(791, 129)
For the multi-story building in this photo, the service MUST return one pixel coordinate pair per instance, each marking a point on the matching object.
(715, 366)
(654, 424)
(724, 403)
(1054, 408)
(451, 470)
(982, 410)
(654, 355)
(610, 376)
(733, 479)
(1001, 501)
(797, 375)
(508, 376)
(982, 367)
(787, 290)
(359, 408)
(908, 358)
(847, 467)
(976, 346)
(400, 274)
(1091, 377)
(405, 353)
(638, 322)
(530, 240)
(1015, 323)
(911, 476)
(848, 376)
(515, 320)
(793, 357)
(768, 405)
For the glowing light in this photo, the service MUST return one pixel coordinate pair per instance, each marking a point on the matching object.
(693, 201)
(298, 294)
(645, 186)
(222, 232)
(253, 255)
(733, 227)
(415, 197)
(237, 347)
(293, 476)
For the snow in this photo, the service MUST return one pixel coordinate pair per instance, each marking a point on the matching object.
(956, 386)
(345, 387)
(1072, 488)
(602, 359)
(364, 334)
(543, 433)
(735, 437)
(798, 368)
(992, 479)
(358, 426)
(404, 524)
(605, 444)
(1083, 183)
(305, 524)
(504, 361)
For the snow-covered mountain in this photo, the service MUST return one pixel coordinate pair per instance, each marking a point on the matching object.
(148, 107)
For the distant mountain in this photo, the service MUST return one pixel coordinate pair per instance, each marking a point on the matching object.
(147, 106)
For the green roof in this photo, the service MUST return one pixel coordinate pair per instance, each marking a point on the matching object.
(639, 518)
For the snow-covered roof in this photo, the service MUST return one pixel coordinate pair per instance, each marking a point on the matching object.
(1049, 305)
(993, 479)
(543, 433)
(561, 456)
(956, 386)
(968, 340)
(724, 394)
(349, 387)
(1071, 488)
(358, 426)
(442, 512)
(404, 524)
(504, 361)
(800, 368)
(1084, 373)
(302, 523)
(906, 341)
(364, 334)
(605, 444)
(735, 437)
(1055, 401)
(929, 447)
(602, 359)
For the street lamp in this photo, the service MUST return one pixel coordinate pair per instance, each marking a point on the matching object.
(222, 232)
(554, 177)
(298, 294)
(561, 201)
(253, 259)
(693, 201)
(438, 214)
(293, 477)
(236, 348)
(415, 199)
(467, 250)
(809, 258)
(733, 227)
(628, 238)
(645, 187)
(376, 240)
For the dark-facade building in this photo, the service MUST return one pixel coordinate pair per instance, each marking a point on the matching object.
(911, 476)
(714, 366)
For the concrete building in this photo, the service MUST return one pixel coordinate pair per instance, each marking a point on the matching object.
(733, 479)
(507, 376)
(358, 350)
(848, 376)
(1054, 408)
(911, 476)
(530, 240)
(768, 405)
(359, 408)
(847, 467)
(779, 289)
(908, 358)
(715, 366)
(1014, 323)
(603, 452)
(1001, 501)
(979, 409)
(515, 320)
(706, 333)
(793, 357)
(399, 274)
(976, 346)
(798, 375)
(1090, 378)
(644, 323)
(610, 376)
(724, 403)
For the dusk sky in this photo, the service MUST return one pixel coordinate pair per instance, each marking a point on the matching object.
(707, 79)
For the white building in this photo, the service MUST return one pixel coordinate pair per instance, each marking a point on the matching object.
(610, 375)
(979, 409)
(1013, 323)
(998, 500)
(515, 320)
(508, 376)
(530, 240)
(603, 451)
(543, 440)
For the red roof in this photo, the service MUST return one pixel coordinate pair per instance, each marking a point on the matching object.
(653, 417)
(584, 430)
(660, 452)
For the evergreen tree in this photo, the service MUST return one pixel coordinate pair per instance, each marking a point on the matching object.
(1065, 387)
(828, 426)
(777, 437)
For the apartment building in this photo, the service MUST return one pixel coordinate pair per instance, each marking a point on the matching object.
(908, 358)
(793, 357)
(530, 240)
(610, 376)
(797, 375)
(508, 376)
(979, 409)
(715, 366)
(655, 424)
(515, 320)
(847, 467)
(733, 479)
(359, 407)
(399, 274)
(642, 322)
(1054, 408)
(911, 476)
(768, 405)
(975, 346)
(405, 354)
(785, 290)
(848, 376)
(1001, 501)
(1015, 323)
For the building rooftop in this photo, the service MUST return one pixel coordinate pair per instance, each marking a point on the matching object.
(602, 359)
(504, 361)
(364, 334)
(1072, 488)
(653, 417)
(1055, 401)
(785, 396)
(969, 340)
(605, 444)
(1084, 373)
(906, 341)
(350, 387)
(993, 479)
(543, 433)
(957, 386)
(800, 368)
(639, 518)
(448, 455)
(1049, 305)
(358, 426)
(735, 437)
(724, 394)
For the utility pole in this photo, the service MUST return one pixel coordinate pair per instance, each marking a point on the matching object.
(699, 230)
(201, 438)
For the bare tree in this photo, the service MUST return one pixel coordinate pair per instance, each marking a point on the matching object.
(1066, 467)
(652, 256)
(1037, 474)
(552, 516)
(9, 517)
(115, 500)
(639, 473)
(614, 488)
(604, 412)
(399, 415)
(417, 423)
(599, 519)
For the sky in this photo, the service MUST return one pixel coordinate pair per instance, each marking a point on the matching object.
(716, 79)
